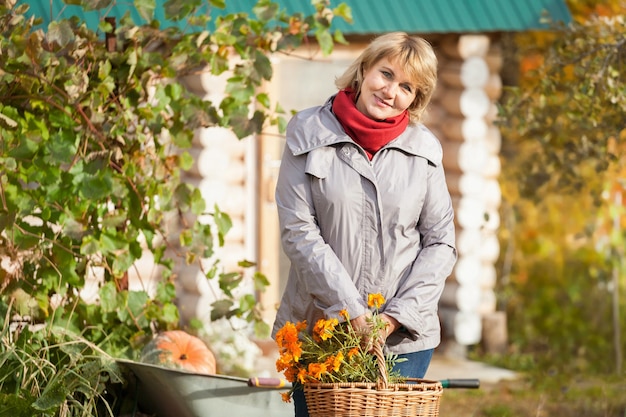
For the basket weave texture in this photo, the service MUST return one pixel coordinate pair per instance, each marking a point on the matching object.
(414, 398)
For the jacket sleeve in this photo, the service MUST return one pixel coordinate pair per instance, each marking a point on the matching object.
(418, 295)
(317, 268)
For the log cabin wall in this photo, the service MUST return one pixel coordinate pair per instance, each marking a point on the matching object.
(462, 116)
(224, 171)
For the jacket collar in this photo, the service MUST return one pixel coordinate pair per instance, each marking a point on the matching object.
(317, 127)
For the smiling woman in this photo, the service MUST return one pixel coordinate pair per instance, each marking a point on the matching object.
(364, 207)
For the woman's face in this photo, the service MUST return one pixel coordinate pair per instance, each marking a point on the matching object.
(386, 90)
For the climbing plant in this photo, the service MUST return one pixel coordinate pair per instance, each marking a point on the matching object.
(95, 125)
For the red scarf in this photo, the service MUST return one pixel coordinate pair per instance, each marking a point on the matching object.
(370, 134)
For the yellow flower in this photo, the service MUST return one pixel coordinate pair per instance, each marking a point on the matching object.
(336, 361)
(323, 329)
(317, 369)
(302, 375)
(375, 300)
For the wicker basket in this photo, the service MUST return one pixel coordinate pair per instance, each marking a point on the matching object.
(415, 398)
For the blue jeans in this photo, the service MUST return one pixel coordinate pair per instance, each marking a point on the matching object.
(415, 366)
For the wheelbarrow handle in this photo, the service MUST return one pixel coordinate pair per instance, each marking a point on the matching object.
(460, 383)
(260, 382)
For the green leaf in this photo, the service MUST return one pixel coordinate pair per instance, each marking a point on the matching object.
(170, 314)
(261, 329)
(178, 10)
(220, 309)
(264, 100)
(136, 302)
(344, 11)
(230, 281)
(108, 297)
(54, 394)
(61, 32)
(223, 223)
(145, 8)
(247, 302)
(262, 65)
(325, 41)
(260, 281)
(265, 10)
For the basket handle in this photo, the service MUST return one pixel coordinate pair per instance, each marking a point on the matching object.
(383, 380)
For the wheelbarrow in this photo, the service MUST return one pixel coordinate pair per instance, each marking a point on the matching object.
(166, 392)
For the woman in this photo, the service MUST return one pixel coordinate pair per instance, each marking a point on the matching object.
(363, 203)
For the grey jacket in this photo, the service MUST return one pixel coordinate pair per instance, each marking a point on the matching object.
(353, 227)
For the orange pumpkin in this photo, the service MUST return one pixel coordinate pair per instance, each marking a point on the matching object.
(181, 350)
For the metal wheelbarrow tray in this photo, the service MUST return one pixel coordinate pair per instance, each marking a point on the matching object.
(176, 393)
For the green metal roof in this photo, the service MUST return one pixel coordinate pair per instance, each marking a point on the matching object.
(370, 16)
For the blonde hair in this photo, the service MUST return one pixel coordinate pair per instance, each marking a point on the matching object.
(414, 54)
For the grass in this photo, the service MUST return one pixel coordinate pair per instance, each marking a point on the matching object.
(548, 396)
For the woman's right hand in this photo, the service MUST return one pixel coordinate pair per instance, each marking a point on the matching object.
(362, 326)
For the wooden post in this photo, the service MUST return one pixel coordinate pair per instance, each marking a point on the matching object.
(109, 37)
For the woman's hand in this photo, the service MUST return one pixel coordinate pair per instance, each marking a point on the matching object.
(392, 325)
(362, 326)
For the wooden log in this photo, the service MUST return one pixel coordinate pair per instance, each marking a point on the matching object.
(470, 102)
(494, 59)
(222, 140)
(435, 116)
(492, 166)
(492, 219)
(464, 327)
(470, 73)
(469, 212)
(465, 46)
(466, 298)
(489, 247)
(489, 276)
(465, 184)
(467, 271)
(493, 86)
(488, 302)
(468, 241)
(493, 139)
(492, 195)
(190, 278)
(494, 332)
(465, 157)
(230, 199)
(462, 129)
(492, 114)
(212, 164)
(231, 254)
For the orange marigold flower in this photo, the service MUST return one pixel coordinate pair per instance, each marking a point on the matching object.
(302, 377)
(352, 352)
(287, 335)
(344, 313)
(286, 396)
(323, 329)
(337, 361)
(317, 369)
(291, 374)
(284, 361)
(375, 300)
(288, 341)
